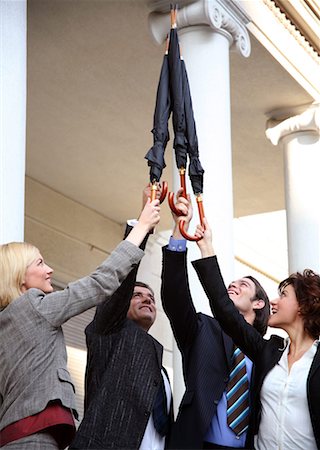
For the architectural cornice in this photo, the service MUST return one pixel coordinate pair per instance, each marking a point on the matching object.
(293, 29)
(285, 43)
(305, 16)
(223, 16)
(309, 120)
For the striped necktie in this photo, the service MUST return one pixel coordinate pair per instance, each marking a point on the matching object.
(238, 394)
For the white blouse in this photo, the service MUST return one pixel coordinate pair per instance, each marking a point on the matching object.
(285, 419)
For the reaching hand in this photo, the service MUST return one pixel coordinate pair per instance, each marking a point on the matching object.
(205, 242)
(149, 218)
(185, 206)
(150, 215)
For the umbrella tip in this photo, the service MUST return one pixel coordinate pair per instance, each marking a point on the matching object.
(173, 14)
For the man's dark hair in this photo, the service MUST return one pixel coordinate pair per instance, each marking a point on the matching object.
(145, 285)
(262, 315)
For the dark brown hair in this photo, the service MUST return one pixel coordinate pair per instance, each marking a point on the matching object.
(145, 285)
(262, 315)
(307, 289)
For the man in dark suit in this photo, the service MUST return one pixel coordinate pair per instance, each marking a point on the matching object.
(126, 385)
(206, 350)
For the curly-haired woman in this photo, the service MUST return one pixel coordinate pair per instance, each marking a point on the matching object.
(285, 405)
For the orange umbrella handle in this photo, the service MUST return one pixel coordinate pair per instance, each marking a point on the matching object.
(182, 173)
(164, 191)
(201, 215)
(173, 208)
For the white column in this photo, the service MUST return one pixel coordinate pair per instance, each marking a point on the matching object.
(299, 136)
(207, 30)
(12, 118)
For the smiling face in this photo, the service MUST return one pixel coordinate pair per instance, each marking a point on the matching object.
(285, 309)
(242, 292)
(142, 307)
(38, 275)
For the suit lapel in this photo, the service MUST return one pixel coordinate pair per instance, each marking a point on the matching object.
(159, 351)
(228, 348)
(315, 363)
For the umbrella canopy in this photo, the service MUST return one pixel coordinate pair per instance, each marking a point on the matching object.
(155, 155)
(185, 135)
(195, 169)
(173, 95)
(177, 100)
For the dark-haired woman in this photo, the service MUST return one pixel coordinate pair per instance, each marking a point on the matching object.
(286, 402)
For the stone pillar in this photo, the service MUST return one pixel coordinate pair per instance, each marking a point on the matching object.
(12, 118)
(299, 137)
(207, 30)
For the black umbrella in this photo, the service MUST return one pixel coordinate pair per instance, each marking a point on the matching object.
(155, 155)
(195, 169)
(177, 100)
(180, 143)
(186, 141)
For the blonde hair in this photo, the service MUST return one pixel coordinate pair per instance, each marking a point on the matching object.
(15, 257)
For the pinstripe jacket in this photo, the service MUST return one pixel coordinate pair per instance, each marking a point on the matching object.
(33, 360)
(206, 354)
(122, 377)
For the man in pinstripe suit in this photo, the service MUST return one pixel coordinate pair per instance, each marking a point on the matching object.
(124, 374)
(206, 350)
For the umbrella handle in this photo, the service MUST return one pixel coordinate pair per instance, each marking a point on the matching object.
(173, 208)
(164, 191)
(182, 173)
(187, 236)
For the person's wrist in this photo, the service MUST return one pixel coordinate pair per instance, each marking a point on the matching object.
(176, 232)
(207, 251)
(144, 227)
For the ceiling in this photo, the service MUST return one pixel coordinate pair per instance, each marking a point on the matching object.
(93, 71)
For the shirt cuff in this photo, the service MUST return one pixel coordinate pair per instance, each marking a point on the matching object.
(132, 222)
(177, 245)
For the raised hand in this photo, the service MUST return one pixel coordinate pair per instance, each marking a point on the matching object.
(185, 206)
(205, 243)
(149, 218)
(150, 215)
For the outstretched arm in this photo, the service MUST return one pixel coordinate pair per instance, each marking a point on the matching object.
(222, 307)
(175, 293)
(110, 315)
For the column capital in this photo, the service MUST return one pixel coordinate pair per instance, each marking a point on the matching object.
(309, 120)
(222, 16)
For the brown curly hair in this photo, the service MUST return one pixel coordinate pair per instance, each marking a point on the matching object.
(307, 289)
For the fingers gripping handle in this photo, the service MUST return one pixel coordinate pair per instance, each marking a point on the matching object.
(186, 235)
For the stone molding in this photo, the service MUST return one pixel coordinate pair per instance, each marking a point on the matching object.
(294, 31)
(309, 120)
(223, 16)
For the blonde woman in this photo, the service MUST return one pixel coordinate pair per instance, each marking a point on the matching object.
(37, 401)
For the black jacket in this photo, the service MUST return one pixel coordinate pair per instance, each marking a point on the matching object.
(206, 354)
(264, 353)
(122, 376)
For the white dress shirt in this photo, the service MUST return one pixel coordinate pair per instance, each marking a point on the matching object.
(285, 419)
(152, 439)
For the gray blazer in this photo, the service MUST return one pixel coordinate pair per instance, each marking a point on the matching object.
(33, 359)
